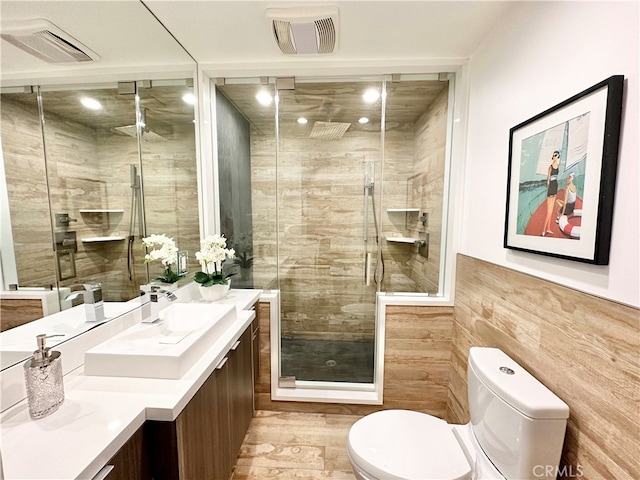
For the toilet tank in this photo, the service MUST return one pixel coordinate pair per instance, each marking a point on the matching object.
(518, 422)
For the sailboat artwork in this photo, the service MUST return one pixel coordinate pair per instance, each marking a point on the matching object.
(552, 177)
(562, 174)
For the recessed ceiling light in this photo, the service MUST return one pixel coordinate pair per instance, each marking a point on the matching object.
(91, 103)
(302, 121)
(363, 120)
(264, 98)
(371, 95)
(189, 98)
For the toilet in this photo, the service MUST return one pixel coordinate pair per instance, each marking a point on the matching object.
(516, 431)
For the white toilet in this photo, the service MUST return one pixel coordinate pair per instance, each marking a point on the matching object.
(516, 431)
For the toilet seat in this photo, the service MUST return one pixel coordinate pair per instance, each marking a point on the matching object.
(407, 445)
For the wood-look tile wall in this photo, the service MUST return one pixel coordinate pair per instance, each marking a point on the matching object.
(320, 209)
(322, 254)
(428, 191)
(170, 199)
(23, 154)
(417, 361)
(584, 349)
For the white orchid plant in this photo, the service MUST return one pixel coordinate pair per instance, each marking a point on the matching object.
(165, 250)
(213, 252)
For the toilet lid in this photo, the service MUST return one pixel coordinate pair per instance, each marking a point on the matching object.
(401, 444)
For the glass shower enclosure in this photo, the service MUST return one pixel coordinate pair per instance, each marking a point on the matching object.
(344, 187)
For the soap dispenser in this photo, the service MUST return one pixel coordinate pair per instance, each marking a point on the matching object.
(43, 378)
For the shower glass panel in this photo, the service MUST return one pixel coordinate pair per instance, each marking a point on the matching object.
(88, 189)
(417, 116)
(328, 221)
(168, 167)
(235, 135)
(27, 257)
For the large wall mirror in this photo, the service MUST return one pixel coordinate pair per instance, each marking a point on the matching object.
(81, 186)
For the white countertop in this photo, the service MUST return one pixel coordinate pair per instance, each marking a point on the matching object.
(99, 414)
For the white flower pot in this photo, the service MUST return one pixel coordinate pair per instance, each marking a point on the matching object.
(214, 292)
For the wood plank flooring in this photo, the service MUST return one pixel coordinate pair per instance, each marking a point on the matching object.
(291, 445)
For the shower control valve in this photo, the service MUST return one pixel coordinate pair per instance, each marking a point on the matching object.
(63, 219)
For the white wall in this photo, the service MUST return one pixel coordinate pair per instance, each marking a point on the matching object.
(540, 54)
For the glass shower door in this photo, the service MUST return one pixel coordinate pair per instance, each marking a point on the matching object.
(328, 156)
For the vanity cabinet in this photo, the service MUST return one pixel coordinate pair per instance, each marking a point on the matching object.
(204, 441)
(255, 350)
(241, 386)
(131, 461)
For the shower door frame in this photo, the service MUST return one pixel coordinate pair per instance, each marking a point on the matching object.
(367, 390)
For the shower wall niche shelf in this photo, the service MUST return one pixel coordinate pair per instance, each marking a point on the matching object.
(101, 210)
(99, 215)
(410, 215)
(402, 240)
(102, 239)
(421, 243)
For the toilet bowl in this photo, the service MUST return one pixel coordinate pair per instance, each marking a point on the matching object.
(407, 445)
(516, 425)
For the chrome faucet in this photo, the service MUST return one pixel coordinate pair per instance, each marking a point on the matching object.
(151, 302)
(92, 298)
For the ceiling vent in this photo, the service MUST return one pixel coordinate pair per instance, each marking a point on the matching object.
(44, 40)
(305, 30)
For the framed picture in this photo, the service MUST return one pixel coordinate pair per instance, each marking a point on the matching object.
(562, 175)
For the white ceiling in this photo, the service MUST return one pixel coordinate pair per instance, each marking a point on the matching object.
(236, 35)
(219, 32)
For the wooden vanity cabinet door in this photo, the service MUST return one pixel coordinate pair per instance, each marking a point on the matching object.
(255, 350)
(131, 460)
(241, 391)
(202, 430)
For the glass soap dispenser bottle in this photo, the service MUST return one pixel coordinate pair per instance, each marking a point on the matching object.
(43, 378)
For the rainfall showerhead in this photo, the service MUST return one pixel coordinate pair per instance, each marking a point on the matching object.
(147, 135)
(329, 130)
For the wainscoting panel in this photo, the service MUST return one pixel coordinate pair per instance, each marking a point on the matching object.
(16, 312)
(585, 349)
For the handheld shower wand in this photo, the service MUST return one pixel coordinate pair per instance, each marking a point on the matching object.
(135, 215)
(369, 172)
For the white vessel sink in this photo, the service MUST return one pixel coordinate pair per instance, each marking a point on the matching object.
(165, 349)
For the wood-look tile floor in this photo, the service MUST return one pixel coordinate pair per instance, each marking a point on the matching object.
(288, 445)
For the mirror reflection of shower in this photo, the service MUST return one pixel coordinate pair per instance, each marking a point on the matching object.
(115, 173)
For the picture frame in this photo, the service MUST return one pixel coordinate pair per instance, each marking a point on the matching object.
(562, 174)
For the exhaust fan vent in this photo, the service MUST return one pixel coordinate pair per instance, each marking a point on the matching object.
(305, 31)
(44, 40)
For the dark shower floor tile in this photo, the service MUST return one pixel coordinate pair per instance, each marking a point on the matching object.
(327, 360)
